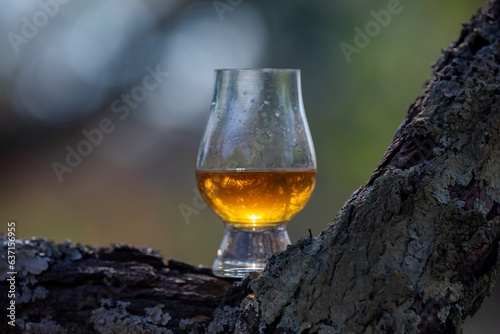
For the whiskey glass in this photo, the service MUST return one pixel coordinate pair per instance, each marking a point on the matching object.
(256, 165)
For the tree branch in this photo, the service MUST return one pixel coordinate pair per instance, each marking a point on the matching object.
(66, 287)
(414, 250)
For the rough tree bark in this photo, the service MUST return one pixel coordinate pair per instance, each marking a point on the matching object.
(67, 287)
(414, 250)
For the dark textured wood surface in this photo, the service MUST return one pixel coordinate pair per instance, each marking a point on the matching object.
(75, 287)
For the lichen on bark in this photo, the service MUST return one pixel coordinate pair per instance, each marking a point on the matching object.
(71, 288)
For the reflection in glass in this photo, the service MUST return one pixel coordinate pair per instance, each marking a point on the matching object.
(256, 166)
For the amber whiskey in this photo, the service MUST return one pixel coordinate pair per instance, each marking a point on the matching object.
(256, 199)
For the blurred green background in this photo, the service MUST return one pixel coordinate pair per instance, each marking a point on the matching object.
(65, 66)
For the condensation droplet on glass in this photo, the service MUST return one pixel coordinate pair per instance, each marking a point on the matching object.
(265, 102)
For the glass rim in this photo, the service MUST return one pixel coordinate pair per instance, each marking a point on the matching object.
(257, 69)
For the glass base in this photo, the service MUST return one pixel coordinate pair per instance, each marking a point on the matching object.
(243, 251)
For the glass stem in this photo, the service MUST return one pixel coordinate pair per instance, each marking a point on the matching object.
(243, 251)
